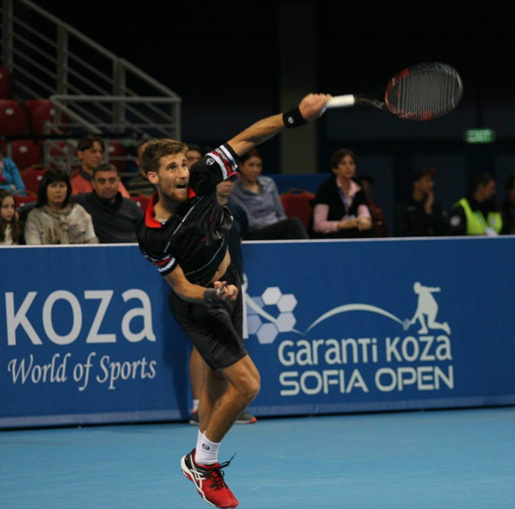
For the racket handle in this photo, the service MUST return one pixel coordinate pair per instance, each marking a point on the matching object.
(341, 101)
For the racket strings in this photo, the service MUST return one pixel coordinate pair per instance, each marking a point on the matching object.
(425, 92)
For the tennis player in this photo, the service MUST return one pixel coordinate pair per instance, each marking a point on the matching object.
(184, 233)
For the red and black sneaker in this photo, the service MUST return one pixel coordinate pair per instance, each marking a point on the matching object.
(209, 481)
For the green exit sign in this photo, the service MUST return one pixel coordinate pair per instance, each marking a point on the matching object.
(479, 136)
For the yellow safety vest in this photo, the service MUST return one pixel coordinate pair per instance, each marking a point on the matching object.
(476, 223)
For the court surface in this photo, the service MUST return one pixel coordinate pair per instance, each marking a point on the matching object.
(452, 459)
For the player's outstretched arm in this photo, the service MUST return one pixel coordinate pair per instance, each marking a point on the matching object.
(311, 107)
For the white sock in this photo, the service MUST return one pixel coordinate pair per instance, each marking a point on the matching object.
(195, 405)
(206, 452)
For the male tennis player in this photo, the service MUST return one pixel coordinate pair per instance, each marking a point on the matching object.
(184, 235)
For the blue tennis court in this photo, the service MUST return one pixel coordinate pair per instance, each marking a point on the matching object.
(417, 460)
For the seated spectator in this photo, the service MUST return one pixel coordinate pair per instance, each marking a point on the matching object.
(508, 207)
(421, 216)
(90, 151)
(259, 197)
(379, 226)
(55, 219)
(477, 214)
(114, 217)
(340, 207)
(194, 154)
(10, 227)
(140, 185)
(10, 178)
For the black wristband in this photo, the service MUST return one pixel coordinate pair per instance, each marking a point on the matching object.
(293, 118)
(210, 295)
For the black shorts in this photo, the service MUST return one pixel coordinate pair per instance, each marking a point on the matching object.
(215, 329)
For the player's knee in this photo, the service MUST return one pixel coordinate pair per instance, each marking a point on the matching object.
(249, 387)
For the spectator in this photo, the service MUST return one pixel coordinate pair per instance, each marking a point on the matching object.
(238, 230)
(90, 151)
(340, 207)
(10, 178)
(240, 223)
(114, 217)
(259, 197)
(421, 216)
(508, 207)
(10, 228)
(193, 154)
(140, 185)
(476, 214)
(379, 226)
(55, 219)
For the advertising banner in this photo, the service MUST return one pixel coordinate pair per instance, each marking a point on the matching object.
(350, 326)
(86, 335)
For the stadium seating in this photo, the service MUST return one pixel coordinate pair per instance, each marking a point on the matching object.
(142, 201)
(13, 118)
(117, 154)
(32, 177)
(25, 153)
(6, 83)
(40, 111)
(297, 203)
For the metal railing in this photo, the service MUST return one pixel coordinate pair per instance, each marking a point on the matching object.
(92, 90)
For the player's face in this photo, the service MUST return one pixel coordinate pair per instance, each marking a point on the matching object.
(91, 157)
(106, 184)
(346, 168)
(251, 169)
(172, 177)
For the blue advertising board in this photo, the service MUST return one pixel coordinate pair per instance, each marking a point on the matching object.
(86, 335)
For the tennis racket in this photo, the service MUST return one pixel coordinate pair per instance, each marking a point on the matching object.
(421, 92)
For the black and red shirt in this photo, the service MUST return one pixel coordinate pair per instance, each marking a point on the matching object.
(195, 236)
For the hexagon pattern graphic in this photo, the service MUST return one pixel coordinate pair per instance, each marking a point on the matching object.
(284, 320)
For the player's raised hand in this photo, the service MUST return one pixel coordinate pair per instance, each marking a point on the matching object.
(313, 105)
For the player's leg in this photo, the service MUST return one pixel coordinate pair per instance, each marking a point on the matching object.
(215, 384)
(243, 383)
(196, 367)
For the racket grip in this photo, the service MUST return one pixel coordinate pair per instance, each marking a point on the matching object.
(341, 101)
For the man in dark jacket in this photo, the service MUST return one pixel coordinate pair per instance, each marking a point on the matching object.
(114, 217)
(421, 216)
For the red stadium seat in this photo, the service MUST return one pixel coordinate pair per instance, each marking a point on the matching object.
(297, 203)
(117, 155)
(13, 117)
(6, 83)
(39, 111)
(32, 177)
(21, 201)
(25, 153)
(142, 201)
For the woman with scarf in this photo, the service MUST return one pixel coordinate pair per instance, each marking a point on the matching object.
(55, 219)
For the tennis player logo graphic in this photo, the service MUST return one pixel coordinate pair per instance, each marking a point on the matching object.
(267, 325)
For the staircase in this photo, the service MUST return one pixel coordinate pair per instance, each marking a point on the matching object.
(91, 89)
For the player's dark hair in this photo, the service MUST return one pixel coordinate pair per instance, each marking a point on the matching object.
(51, 176)
(156, 149)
